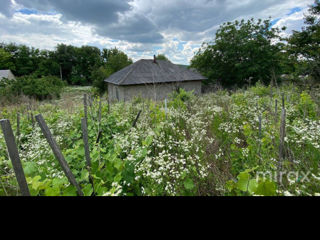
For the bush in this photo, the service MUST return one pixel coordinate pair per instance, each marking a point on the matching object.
(39, 88)
(98, 76)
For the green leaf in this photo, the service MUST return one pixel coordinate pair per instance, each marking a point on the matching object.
(253, 185)
(84, 175)
(118, 177)
(30, 168)
(70, 191)
(148, 141)
(54, 191)
(243, 181)
(188, 184)
(87, 190)
(118, 164)
(266, 188)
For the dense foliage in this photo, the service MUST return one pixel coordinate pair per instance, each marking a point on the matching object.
(304, 45)
(31, 86)
(114, 61)
(209, 145)
(243, 52)
(75, 65)
(162, 57)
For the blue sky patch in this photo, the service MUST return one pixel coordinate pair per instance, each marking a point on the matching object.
(294, 10)
(273, 22)
(27, 11)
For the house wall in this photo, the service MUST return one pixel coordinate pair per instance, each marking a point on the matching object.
(11, 76)
(150, 91)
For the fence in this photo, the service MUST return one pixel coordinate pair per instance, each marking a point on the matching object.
(12, 144)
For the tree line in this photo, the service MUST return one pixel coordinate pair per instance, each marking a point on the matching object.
(245, 52)
(74, 65)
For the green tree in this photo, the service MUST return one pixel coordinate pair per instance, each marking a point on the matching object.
(47, 65)
(304, 45)
(65, 56)
(113, 61)
(242, 52)
(162, 57)
(87, 59)
(6, 60)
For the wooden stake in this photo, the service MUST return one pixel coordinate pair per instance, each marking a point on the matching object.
(85, 104)
(14, 156)
(276, 110)
(58, 154)
(137, 118)
(282, 153)
(85, 137)
(18, 128)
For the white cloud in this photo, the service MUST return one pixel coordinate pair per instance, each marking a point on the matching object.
(141, 28)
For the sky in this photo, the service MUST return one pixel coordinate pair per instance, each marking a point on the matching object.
(140, 28)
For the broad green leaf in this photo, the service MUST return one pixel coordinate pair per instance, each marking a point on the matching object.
(55, 191)
(266, 188)
(243, 181)
(253, 185)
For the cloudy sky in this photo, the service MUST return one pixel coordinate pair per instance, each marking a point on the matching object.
(141, 28)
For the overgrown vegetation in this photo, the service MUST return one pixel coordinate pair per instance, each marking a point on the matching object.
(209, 145)
(31, 86)
(262, 140)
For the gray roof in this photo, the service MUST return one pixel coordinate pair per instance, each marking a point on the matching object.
(146, 71)
(4, 73)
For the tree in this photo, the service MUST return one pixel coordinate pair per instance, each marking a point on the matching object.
(66, 58)
(162, 57)
(304, 45)
(114, 60)
(243, 52)
(87, 59)
(6, 60)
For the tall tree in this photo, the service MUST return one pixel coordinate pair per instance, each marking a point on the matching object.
(242, 52)
(87, 60)
(305, 45)
(66, 58)
(114, 60)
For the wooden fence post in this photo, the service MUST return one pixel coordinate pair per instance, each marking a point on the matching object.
(18, 129)
(136, 120)
(86, 141)
(276, 110)
(108, 105)
(86, 149)
(282, 153)
(58, 154)
(99, 114)
(260, 137)
(165, 107)
(14, 156)
(85, 104)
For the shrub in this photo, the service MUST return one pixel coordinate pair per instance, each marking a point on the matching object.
(179, 98)
(39, 88)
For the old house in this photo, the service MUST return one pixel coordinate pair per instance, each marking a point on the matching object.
(6, 74)
(153, 79)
